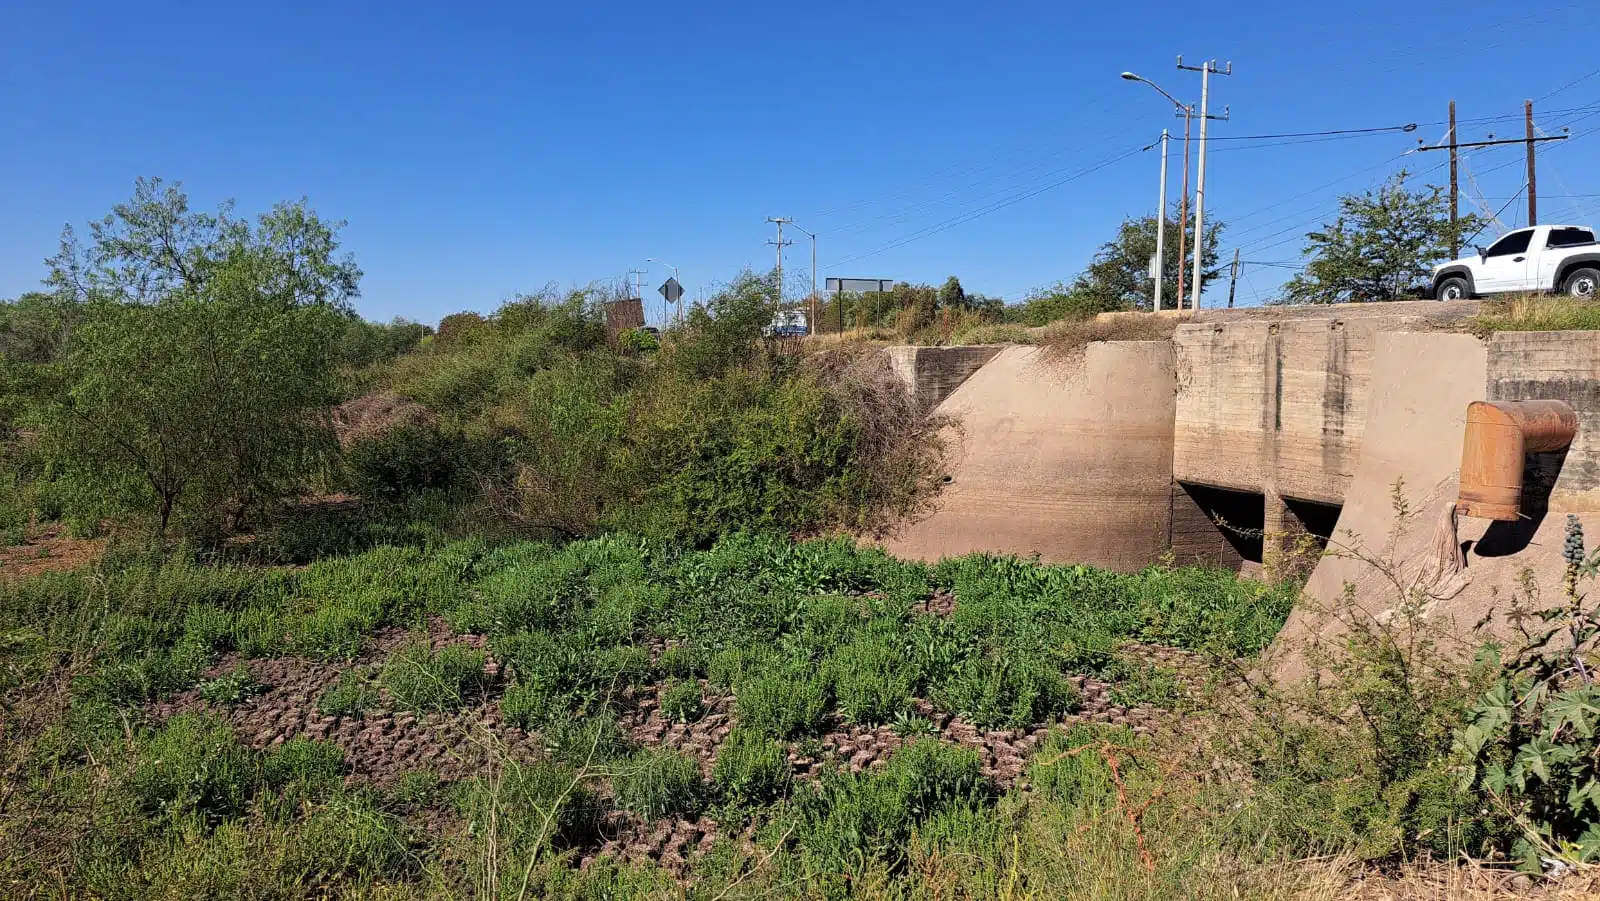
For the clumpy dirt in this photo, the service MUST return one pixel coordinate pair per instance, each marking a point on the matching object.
(48, 551)
(385, 744)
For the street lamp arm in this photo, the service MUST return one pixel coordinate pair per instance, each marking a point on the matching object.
(1175, 102)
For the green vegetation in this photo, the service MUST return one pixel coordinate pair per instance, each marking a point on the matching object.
(1380, 247)
(1536, 313)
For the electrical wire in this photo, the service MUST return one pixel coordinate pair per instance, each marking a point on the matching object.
(968, 217)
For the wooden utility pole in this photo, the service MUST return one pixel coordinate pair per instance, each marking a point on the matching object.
(1455, 189)
(1233, 280)
(1533, 183)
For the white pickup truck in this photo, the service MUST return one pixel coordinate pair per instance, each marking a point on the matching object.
(1561, 258)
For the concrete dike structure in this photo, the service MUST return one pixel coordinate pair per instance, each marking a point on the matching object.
(1250, 429)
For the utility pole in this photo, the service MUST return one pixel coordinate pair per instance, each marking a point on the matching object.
(780, 221)
(811, 307)
(1161, 225)
(1205, 69)
(1455, 189)
(1183, 205)
(1531, 140)
(1233, 277)
(1533, 183)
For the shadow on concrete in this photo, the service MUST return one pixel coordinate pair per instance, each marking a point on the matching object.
(1503, 539)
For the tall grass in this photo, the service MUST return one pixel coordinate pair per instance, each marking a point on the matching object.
(1536, 313)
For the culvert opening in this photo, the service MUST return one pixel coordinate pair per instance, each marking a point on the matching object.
(1316, 519)
(1237, 519)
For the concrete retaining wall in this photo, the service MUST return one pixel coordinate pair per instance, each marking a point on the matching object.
(932, 374)
(1073, 464)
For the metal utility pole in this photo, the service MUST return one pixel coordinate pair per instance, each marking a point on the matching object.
(636, 284)
(1187, 112)
(1455, 189)
(1233, 277)
(811, 316)
(780, 221)
(675, 279)
(1161, 225)
(1533, 183)
(1183, 205)
(1205, 69)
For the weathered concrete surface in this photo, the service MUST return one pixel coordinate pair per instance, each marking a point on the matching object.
(1274, 401)
(1073, 464)
(1421, 385)
(1556, 366)
(932, 374)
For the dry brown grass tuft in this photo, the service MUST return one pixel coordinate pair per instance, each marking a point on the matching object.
(374, 414)
(1065, 342)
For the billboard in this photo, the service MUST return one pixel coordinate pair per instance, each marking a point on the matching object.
(859, 285)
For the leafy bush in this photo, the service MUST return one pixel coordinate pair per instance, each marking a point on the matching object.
(231, 687)
(684, 661)
(849, 820)
(751, 769)
(680, 701)
(420, 679)
(405, 460)
(783, 701)
(871, 680)
(193, 764)
(657, 783)
(1007, 692)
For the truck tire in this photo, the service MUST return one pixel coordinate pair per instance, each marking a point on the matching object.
(1454, 288)
(1582, 283)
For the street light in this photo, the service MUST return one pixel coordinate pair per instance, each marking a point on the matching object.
(1183, 204)
(674, 278)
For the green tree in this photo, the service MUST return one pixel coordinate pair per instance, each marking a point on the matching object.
(198, 373)
(1118, 277)
(951, 295)
(1380, 247)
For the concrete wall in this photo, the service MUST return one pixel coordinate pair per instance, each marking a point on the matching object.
(1275, 401)
(932, 374)
(1073, 463)
(1556, 366)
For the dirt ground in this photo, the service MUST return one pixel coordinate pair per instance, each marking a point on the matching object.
(385, 744)
(50, 550)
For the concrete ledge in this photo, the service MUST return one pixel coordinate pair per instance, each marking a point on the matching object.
(932, 374)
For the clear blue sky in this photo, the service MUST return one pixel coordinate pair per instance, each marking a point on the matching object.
(481, 150)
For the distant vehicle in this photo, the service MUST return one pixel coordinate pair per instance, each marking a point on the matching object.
(787, 324)
(653, 332)
(1562, 258)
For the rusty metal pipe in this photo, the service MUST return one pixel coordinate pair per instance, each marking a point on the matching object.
(1500, 435)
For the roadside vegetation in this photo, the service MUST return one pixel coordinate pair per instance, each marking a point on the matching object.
(1536, 313)
(517, 608)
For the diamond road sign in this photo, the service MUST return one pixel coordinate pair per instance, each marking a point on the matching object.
(671, 290)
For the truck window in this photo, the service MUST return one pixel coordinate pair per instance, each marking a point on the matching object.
(1516, 242)
(1570, 237)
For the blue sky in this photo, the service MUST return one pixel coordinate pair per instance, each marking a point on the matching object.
(481, 150)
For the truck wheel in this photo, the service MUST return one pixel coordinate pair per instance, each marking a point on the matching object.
(1454, 288)
(1582, 283)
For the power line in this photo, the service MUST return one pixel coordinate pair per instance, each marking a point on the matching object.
(968, 217)
(1317, 134)
(1573, 83)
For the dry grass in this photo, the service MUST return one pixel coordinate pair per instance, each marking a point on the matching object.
(1535, 313)
(1065, 342)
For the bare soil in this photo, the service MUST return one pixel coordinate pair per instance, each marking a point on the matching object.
(48, 551)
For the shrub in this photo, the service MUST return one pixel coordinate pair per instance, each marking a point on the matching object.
(1064, 774)
(684, 661)
(680, 701)
(420, 679)
(849, 820)
(658, 783)
(585, 740)
(871, 680)
(231, 687)
(193, 764)
(408, 459)
(1007, 693)
(751, 769)
(783, 702)
(354, 693)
